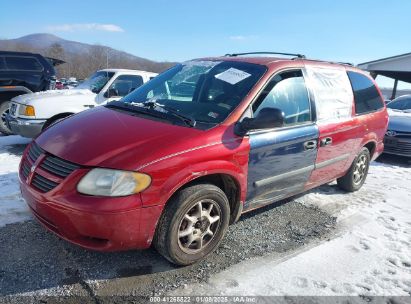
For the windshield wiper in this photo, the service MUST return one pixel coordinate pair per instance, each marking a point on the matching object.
(168, 110)
(132, 108)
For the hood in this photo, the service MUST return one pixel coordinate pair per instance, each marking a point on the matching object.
(399, 121)
(32, 97)
(108, 138)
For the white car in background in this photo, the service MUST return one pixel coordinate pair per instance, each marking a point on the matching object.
(31, 113)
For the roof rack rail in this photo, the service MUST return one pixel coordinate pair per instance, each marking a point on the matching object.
(262, 53)
(332, 62)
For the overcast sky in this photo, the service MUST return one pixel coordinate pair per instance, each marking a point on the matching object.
(349, 30)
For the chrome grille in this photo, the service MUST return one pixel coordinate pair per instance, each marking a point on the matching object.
(399, 134)
(13, 109)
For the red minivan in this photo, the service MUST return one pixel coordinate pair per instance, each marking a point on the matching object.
(177, 160)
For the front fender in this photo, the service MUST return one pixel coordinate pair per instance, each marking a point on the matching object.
(230, 157)
(164, 187)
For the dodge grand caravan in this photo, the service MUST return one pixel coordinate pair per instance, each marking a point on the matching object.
(176, 161)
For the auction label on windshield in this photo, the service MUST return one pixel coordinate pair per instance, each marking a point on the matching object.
(232, 75)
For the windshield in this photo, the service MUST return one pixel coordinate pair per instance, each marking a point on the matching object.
(96, 81)
(400, 103)
(206, 91)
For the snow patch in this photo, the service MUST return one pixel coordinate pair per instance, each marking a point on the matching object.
(12, 206)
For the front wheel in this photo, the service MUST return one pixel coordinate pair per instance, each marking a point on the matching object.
(4, 110)
(356, 175)
(193, 224)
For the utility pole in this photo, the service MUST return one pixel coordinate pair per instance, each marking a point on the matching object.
(107, 58)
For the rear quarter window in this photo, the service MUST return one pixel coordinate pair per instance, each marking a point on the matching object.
(23, 63)
(366, 96)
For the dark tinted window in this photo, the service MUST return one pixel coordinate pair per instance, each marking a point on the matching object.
(2, 64)
(366, 96)
(400, 103)
(287, 92)
(23, 63)
(126, 84)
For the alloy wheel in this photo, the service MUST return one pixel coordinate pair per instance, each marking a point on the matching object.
(199, 226)
(360, 169)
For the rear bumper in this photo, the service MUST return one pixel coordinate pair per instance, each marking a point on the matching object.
(25, 127)
(102, 231)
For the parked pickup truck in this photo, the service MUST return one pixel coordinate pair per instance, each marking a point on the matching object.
(30, 114)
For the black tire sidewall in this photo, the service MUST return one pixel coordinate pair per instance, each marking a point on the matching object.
(175, 252)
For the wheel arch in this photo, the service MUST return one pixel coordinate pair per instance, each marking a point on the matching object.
(229, 182)
(230, 186)
(55, 117)
(371, 146)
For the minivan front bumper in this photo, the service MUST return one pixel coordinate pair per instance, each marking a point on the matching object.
(93, 222)
(25, 127)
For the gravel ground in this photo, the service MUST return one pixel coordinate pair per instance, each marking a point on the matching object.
(35, 263)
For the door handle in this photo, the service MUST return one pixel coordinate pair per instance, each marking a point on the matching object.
(326, 141)
(310, 145)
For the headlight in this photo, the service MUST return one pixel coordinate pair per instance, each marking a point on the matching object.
(27, 110)
(108, 182)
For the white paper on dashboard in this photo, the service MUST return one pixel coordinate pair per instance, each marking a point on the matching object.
(232, 75)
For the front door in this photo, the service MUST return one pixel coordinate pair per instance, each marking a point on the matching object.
(281, 159)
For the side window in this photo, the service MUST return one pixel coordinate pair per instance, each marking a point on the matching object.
(125, 84)
(366, 96)
(23, 63)
(2, 64)
(332, 92)
(287, 92)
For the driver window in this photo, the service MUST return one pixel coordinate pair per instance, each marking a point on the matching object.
(287, 92)
(125, 84)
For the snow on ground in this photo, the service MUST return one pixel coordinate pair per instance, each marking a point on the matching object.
(12, 206)
(370, 255)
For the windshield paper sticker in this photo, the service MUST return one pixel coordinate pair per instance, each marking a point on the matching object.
(232, 76)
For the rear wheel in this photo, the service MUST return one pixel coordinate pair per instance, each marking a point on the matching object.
(4, 110)
(193, 224)
(356, 175)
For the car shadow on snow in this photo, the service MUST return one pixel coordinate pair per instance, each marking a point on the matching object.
(16, 149)
(395, 160)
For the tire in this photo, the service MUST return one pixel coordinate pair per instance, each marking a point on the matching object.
(356, 175)
(4, 109)
(182, 236)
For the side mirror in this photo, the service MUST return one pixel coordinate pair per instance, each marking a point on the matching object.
(267, 118)
(110, 93)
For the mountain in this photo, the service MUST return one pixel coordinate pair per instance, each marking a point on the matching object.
(81, 58)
